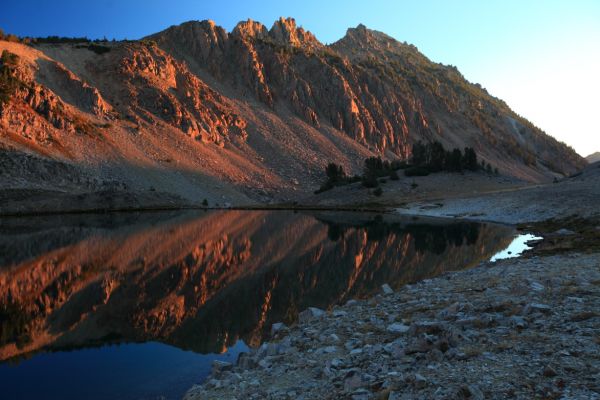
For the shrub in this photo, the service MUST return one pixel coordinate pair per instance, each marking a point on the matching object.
(9, 37)
(98, 49)
(394, 175)
(59, 39)
(205, 203)
(334, 172)
(378, 192)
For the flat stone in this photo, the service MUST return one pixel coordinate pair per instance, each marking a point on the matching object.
(245, 361)
(538, 287)
(398, 328)
(254, 382)
(337, 363)
(386, 289)
(277, 327)
(420, 381)
(309, 314)
(219, 366)
(518, 322)
(328, 349)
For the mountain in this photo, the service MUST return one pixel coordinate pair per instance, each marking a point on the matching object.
(254, 114)
(592, 158)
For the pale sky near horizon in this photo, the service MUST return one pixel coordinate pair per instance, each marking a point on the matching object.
(541, 56)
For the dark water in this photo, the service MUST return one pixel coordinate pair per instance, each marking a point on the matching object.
(137, 306)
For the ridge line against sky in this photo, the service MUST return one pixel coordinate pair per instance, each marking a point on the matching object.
(541, 57)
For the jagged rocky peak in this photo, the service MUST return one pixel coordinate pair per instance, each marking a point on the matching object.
(208, 26)
(361, 31)
(361, 42)
(365, 35)
(285, 31)
(250, 28)
(204, 33)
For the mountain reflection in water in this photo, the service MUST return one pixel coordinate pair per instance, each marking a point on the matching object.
(202, 281)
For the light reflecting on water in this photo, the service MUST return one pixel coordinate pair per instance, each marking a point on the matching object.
(186, 286)
(516, 247)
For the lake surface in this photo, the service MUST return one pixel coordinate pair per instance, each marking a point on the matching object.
(138, 305)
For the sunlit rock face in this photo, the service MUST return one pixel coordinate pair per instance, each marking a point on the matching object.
(261, 110)
(382, 93)
(204, 281)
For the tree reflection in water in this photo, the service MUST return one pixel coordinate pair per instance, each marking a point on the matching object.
(204, 280)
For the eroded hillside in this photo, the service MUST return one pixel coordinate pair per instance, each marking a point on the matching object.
(255, 114)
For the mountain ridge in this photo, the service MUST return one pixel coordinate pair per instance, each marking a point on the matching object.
(594, 157)
(253, 114)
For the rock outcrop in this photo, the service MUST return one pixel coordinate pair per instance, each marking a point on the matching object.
(161, 87)
(382, 93)
(260, 111)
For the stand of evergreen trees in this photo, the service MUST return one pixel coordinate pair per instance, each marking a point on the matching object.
(432, 157)
(426, 158)
(336, 177)
(92, 45)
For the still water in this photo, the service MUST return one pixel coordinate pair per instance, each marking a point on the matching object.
(138, 305)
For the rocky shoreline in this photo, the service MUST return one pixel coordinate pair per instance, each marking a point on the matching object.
(519, 328)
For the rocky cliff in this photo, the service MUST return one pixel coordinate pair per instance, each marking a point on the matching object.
(251, 114)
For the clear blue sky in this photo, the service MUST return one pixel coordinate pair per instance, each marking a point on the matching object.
(542, 57)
